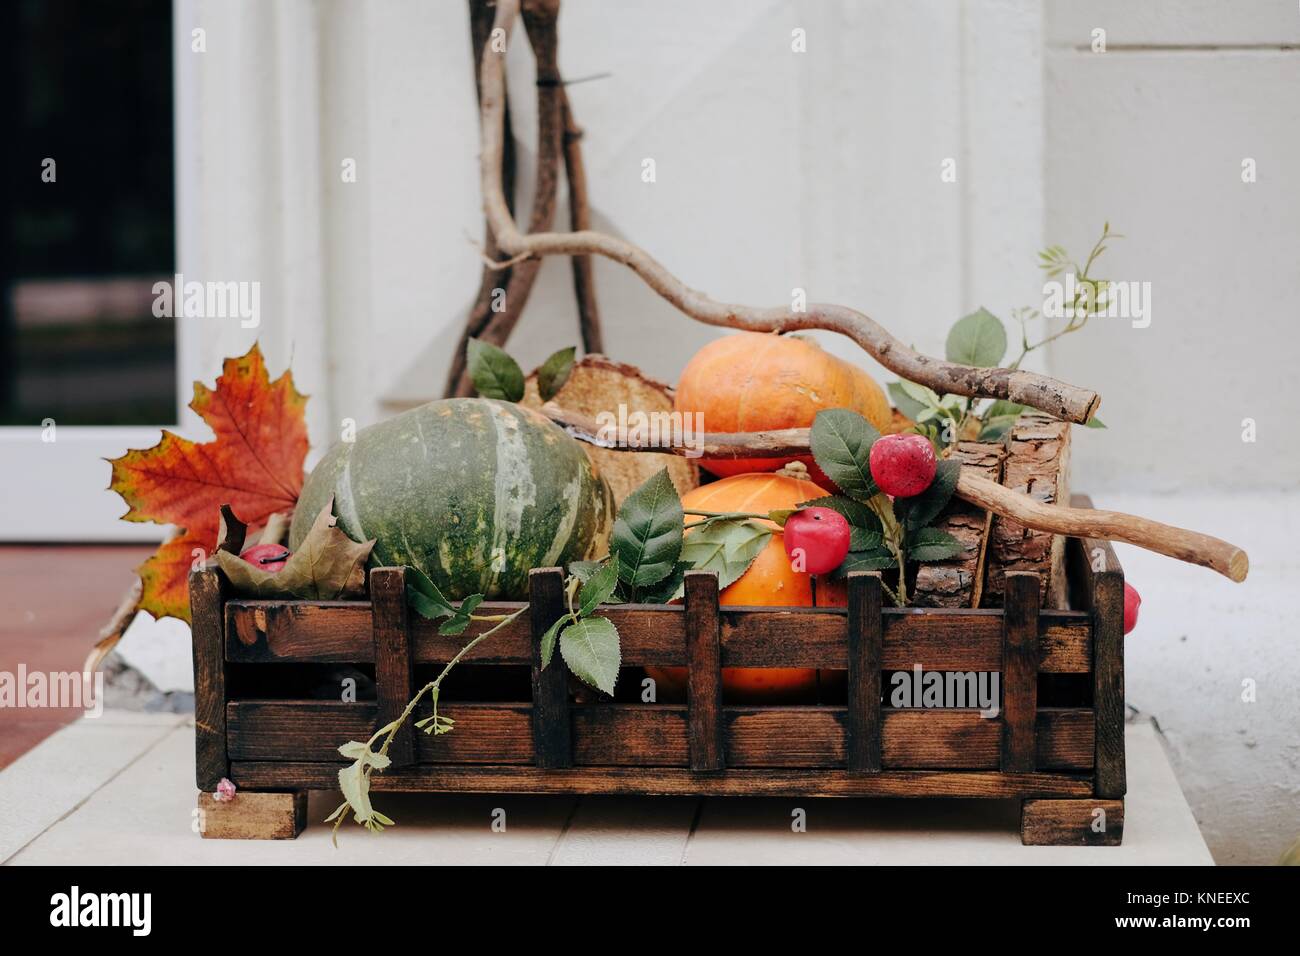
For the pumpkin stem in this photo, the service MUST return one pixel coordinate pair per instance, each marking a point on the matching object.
(794, 469)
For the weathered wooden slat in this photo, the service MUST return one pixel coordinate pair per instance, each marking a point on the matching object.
(670, 781)
(655, 635)
(1100, 590)
(210, 759)
(866, 638)
(253, 816)
(552, 739)
(1020, 671)
(394, 683)
(704, 672)
(655, 735)
(1089, 822)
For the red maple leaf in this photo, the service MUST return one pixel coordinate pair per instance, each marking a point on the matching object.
(255, 464)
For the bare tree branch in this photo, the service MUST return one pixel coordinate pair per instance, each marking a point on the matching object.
(1068, 402)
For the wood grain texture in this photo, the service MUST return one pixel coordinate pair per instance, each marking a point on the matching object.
(394, 668)
(958, 582)
(670, 781)
(1100, 591)
(552, 740)
(655, 635)
(208, 640)
(866, 641)
(1037, 465)
(655, 735)
(1020, 672)
(253, 816)
(704, 672)
(1072, 822)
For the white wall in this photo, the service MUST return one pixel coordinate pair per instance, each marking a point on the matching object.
(822, 170)
(1151, 134)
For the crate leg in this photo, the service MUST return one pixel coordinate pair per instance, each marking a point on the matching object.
(394, 667)
(253, 815)
(1080, 822)
(866, 636)
(211, 762)
(552, 733)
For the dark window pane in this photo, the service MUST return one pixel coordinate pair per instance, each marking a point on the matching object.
(89, 86)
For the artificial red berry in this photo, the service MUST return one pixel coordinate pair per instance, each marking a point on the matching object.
(902, 465)
(267, 557)
(1132, 601)
(816, 540)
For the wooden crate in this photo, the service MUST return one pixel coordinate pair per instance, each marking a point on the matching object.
(1065, 763)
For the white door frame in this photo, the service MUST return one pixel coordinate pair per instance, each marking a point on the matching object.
(57, 490)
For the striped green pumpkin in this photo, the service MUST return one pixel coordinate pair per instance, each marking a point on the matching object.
(474, 492)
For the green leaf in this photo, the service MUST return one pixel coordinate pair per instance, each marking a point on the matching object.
(494, 373)
(583, 570)
(666, 590)
(555, 372)
(865, 532)
(423, 595)
(598, 589)
(591, 649)
(904, 402)
(931, 544)
(460, 620)
(979, 339)
(1095, 422)
(927, 397)
(994, 429)
(355, 782)
(728, 547)
(1002, 408)
(647, 537)
(548, 639)
(919, 510)
(841, 444)
(872, 559)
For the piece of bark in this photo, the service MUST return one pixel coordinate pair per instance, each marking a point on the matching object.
(959, 581)
(1037, 465)
(598, 384)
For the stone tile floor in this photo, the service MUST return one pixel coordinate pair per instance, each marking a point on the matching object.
(118, 789)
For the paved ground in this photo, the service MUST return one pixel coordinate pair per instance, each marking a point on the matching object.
(53, 601)
(119, 790)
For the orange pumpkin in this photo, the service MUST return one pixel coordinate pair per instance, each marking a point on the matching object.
(754, 381)
(769, 582)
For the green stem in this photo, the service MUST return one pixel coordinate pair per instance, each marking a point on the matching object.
(883, 509)
(392, 728)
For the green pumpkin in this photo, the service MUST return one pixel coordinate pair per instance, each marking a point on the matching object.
(473, 492)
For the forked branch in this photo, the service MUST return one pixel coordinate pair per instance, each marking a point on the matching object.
(1067, 402)
(1191, 546)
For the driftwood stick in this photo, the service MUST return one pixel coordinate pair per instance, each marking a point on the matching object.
(778, 443)
(1190, 546)
(540, 24)
(111, 633)
(494, 275)
(1064, 401)
(584, 282)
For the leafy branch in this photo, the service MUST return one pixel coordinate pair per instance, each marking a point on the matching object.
(980, 339)
(496, 375)
(884, 532)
